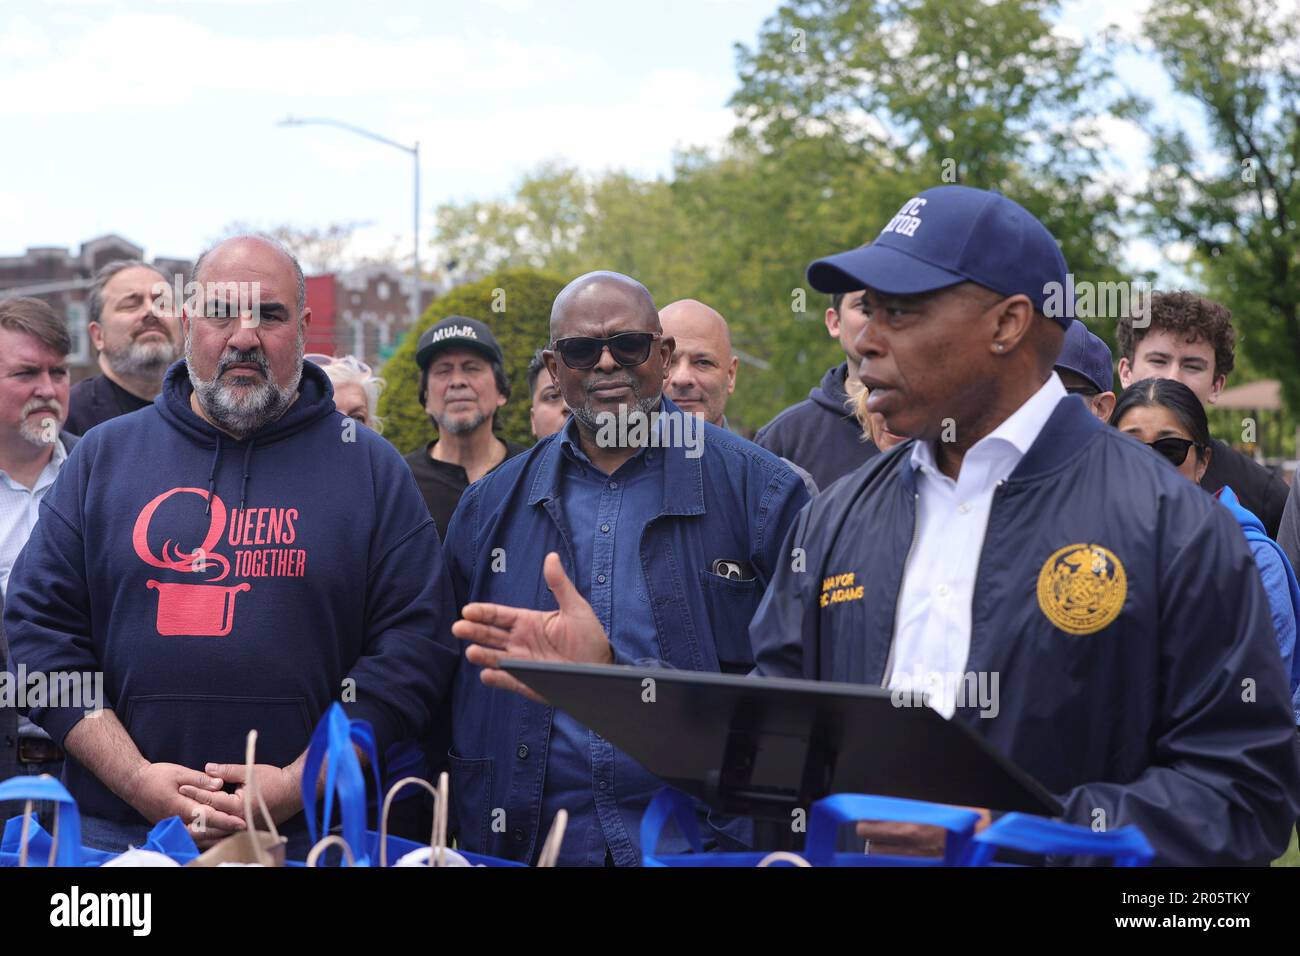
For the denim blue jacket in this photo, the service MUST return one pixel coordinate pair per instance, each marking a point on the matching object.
(733, 501)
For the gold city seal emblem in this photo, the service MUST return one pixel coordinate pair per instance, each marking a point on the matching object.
(1081, 588)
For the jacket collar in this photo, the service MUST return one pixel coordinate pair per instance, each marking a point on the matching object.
(1070, 427)
(683, 475)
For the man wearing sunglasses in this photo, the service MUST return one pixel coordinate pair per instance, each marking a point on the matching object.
(1016, 536)
(672, 530)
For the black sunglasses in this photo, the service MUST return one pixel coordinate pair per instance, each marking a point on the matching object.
(1174, 449)
(1085, 391)
(627, 349)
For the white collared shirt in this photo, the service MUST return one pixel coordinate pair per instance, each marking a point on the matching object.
(932, 629)
(20, 507)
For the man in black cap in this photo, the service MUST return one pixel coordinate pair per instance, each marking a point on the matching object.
(1086, 369)
(1015, 544)
(462, 384)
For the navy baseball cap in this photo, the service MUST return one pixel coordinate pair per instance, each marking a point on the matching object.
(952, 234)
(1088, 355)
(457, 331)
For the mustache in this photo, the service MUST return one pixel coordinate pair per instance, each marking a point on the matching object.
(623, 380)
(151, 323)
(43, 404)
(238, 357)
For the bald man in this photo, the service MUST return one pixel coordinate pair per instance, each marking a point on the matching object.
(702, 370)
(669, 540)
(238, 555)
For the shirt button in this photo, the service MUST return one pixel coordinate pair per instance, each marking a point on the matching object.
(613, 485)
(605, 528)
(604, 785)
(518, 834)
(600, 579)
(522, 751)
(963, 509)
(943, 590)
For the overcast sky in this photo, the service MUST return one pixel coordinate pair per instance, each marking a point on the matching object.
(156, 119)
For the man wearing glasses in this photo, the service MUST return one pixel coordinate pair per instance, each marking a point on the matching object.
(225, 559)
(671, 539)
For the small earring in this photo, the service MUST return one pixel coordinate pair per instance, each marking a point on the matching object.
(999, 348)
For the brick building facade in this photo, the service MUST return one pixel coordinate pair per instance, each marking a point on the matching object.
(361, 312)
(62, 278)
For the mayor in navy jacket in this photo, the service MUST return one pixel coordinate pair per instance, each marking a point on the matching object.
(676, 511)
(1159, 701)
(1017, 538)
(1120, 610)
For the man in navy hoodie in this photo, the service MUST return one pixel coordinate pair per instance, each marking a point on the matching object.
(235, 557)
(821, 434)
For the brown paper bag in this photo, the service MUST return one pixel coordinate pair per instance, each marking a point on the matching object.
(437, 839)
(251, 845)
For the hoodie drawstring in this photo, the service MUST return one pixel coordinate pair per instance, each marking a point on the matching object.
(243, 487)
(212, 477)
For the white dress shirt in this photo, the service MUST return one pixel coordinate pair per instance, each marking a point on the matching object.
(932, 628)
(20, 506)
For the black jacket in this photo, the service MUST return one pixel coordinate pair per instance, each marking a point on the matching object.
(820, 434)
(1288, 534)
(1164, 706)
(1259, 490)
(97, 399)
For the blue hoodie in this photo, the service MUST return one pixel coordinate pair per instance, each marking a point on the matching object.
(1279, 583)
(320, 577)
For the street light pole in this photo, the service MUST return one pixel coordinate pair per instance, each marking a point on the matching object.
(414, 151)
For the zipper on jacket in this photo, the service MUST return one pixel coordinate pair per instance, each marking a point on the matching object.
(893, 633)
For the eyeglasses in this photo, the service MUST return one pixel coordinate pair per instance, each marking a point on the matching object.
(1174, 449)
(1084, 391)
(319, 358)
(627, 349)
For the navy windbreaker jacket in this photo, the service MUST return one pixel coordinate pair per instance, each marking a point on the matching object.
(735, 501)
(1162, 703)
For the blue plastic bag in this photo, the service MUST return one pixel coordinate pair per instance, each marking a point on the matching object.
(168, 837)
(964, 847)
(332, 744)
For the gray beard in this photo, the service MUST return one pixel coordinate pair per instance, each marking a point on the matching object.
(242, 412)
(36, 432)
(460, 427)
(591, 421)
(142, 360)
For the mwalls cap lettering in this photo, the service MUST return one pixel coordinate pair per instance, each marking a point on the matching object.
(455, 332)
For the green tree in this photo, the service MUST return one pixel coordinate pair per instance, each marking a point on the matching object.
(839, 124)
(986, 94)
(516, 305)
(1235, 203)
